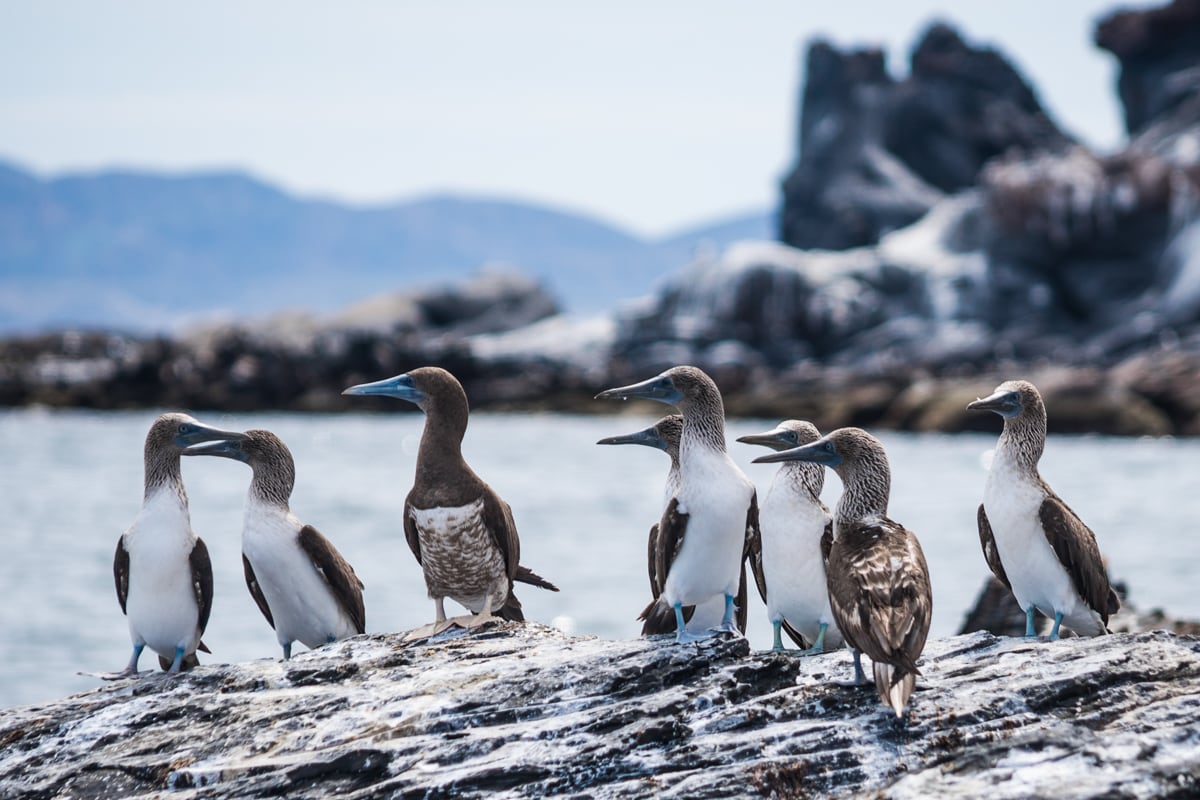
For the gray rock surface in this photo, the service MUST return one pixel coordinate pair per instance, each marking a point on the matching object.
(528, 711)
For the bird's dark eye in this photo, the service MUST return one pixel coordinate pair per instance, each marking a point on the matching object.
(183, 427)
(829, 447)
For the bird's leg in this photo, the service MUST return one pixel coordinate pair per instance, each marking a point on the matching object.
(682, 635)
(1030, 631)
(175, 665)
(287, 651)
(819, 645)
(485, 614)
(727, 625)
(860, 677)
(1057, 621)
(440, 604)
(778, 628)
(132, 667)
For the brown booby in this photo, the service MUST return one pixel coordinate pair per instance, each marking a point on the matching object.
(658, 618)
(1032, 541)
(878, 581)
(711, 525)
(161, 567)
(797, 532)
(460, 531)
(301, 583)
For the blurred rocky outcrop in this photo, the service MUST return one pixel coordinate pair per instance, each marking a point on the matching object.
(876, 153)
(526, 711)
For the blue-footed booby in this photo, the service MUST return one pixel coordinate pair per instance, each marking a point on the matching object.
(1032, 541)
(711, 524)
(460, 531)
(878, 581)
(658, 618)
(298, 579)
(161, 567)
(797, 532)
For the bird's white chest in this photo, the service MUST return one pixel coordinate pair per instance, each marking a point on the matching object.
(302, 604)
(459, 557)
(715, 495)
(161, 603)
(1012, 500)
(792, 525)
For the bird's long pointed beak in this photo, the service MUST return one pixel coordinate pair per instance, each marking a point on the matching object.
(398, 386)
(657, 388)
(222, 447)
(997, 401)
(814, 453)
(773, 439)
(646, 437)
(198, 432)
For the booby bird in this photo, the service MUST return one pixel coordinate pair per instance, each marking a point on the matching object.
(161, 567)
(301, 583)
(460, 531)
(1032, 541)
(878, 581)
(664, 435)
(797, 532)
(711, 523)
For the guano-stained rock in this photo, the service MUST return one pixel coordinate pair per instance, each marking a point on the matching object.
(515, 711)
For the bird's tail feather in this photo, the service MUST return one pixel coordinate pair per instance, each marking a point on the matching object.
(511, 610)
(526, 575)
(895, 685)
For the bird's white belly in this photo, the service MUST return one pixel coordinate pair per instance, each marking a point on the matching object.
(794, 569)
(161, 603)
(716, 499)
(302, 604)
(1037, 577)
(459, 557)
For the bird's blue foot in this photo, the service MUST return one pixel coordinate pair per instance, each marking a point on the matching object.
(287, 651)
(778, 628)
(177, 663)
(819, 645)
(132, 667)
(727, 625)
(860, 677)
(1030, 631)
(330, 639)
(685, 637)
(1057, 621)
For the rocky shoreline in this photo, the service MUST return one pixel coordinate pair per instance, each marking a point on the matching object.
(527, 711)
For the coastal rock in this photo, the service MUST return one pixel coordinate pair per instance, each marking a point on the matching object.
(875, 154)
(528, 711)
(1159, 49)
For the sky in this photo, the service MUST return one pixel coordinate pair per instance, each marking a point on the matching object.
(653, 115)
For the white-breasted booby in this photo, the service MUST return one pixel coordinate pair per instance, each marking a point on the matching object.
(797, 532)
(460, 531)
(658, 618)
(711, 525)
(1032, 541)
(301, 583)
(161, 567)
(878, 580)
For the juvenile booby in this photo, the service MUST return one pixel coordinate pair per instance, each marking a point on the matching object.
(711, 524)
(161, 567)
(658, 618)
(797, 532)
(460, 531)
(878, 581)
(1032, 541)
(299, 580)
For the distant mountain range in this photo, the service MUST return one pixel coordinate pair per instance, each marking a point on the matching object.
(141, 251)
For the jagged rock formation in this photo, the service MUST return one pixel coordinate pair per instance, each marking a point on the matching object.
(528, 711)
(875, 154)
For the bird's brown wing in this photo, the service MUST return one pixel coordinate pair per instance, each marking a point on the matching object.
(121, 572)
(988, 542)
(1076, 548)
(338, 574)
(202, 582)
(256, 591)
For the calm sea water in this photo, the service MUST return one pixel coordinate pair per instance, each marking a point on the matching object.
(70, 482)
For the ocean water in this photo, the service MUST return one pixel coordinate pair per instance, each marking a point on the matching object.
(71, 481)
